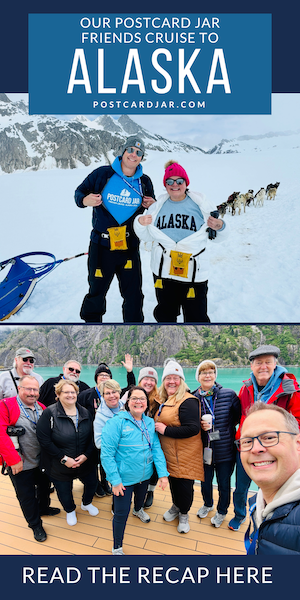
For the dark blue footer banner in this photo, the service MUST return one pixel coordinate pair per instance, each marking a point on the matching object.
(148, 576)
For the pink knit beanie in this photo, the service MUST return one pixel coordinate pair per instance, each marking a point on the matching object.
(176, 170)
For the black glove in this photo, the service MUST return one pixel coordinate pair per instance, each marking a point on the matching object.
(212, 234)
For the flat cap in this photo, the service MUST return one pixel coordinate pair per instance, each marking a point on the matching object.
(266, 349)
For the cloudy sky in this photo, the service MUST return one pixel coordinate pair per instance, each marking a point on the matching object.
(207, 130)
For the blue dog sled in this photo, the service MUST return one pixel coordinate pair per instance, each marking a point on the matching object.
(22, 277)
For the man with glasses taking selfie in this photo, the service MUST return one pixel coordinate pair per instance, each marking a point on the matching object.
(271, 384)
(20, 454)
(71, 370)
(117, 193)
(23, 365)
(269, 447)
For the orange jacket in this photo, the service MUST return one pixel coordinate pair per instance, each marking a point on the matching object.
(184, 456)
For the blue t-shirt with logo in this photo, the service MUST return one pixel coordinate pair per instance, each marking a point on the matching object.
(123, 195)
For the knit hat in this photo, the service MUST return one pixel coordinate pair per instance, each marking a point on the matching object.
(262, 350)
(175, 170)
(171, 367)
(210, 363)
(102, 368)
(147, 372)
(24, 352)
(134, 141)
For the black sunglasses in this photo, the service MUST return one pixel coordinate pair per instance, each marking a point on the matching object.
(179, 181)
(26, 359)
(74, 370)
(132, 150)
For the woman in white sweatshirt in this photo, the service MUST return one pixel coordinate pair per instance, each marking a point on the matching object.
(178, 226)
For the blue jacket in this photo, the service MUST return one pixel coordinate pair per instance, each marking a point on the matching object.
(102, 219)
(102, 415)
(227, 415)
(279, 534)
(125, 453)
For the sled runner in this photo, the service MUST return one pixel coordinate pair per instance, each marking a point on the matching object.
(22, 277)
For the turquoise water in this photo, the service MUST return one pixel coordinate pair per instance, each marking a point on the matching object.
(231, 378)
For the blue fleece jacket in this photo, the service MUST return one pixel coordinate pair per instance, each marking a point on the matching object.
(125, 453)
(104, 413)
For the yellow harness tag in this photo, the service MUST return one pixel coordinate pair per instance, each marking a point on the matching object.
(128, 265)
(179, 263)
(158, 284)
(98, 273)
(191, 293)
(117, 237)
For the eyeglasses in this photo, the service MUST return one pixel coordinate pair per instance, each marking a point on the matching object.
(26, 359)
(135, 399)
(179, 181)
(30, 389)
(134, 150)
(268, 439)
(110, 393)
(210, 373)
(74, 370)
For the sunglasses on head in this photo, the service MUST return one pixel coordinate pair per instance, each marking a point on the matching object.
(132, 150)
(26, 359)
(179, 181)
(74, 370)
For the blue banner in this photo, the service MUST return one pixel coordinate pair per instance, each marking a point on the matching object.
(150, 64)
(145, 576)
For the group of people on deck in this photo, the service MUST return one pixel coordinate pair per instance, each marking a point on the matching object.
(124, 442)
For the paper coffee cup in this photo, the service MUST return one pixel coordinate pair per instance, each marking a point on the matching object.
(208, 419)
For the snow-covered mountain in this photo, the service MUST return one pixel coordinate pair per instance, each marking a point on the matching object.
(30, 142)
(45, 142)
(257, 143)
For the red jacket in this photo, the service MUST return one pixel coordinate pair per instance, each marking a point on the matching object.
(287, 396)
(9, 414)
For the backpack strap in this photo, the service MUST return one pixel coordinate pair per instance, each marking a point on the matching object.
(15, 383)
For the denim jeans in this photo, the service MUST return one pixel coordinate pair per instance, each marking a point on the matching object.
(242, 484)
(223, 471)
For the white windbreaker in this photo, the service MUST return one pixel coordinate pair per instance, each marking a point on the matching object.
(161, 244)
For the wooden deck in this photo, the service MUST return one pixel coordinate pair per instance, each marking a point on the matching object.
(93, 535)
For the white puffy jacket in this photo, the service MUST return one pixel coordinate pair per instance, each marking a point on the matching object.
(160, 244)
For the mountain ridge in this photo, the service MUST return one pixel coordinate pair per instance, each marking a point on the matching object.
(41, 142)
(150, 345)
(33, 142)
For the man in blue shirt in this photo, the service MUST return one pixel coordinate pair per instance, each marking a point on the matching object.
(117, 194)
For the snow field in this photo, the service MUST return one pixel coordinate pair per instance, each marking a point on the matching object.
(253, 276)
